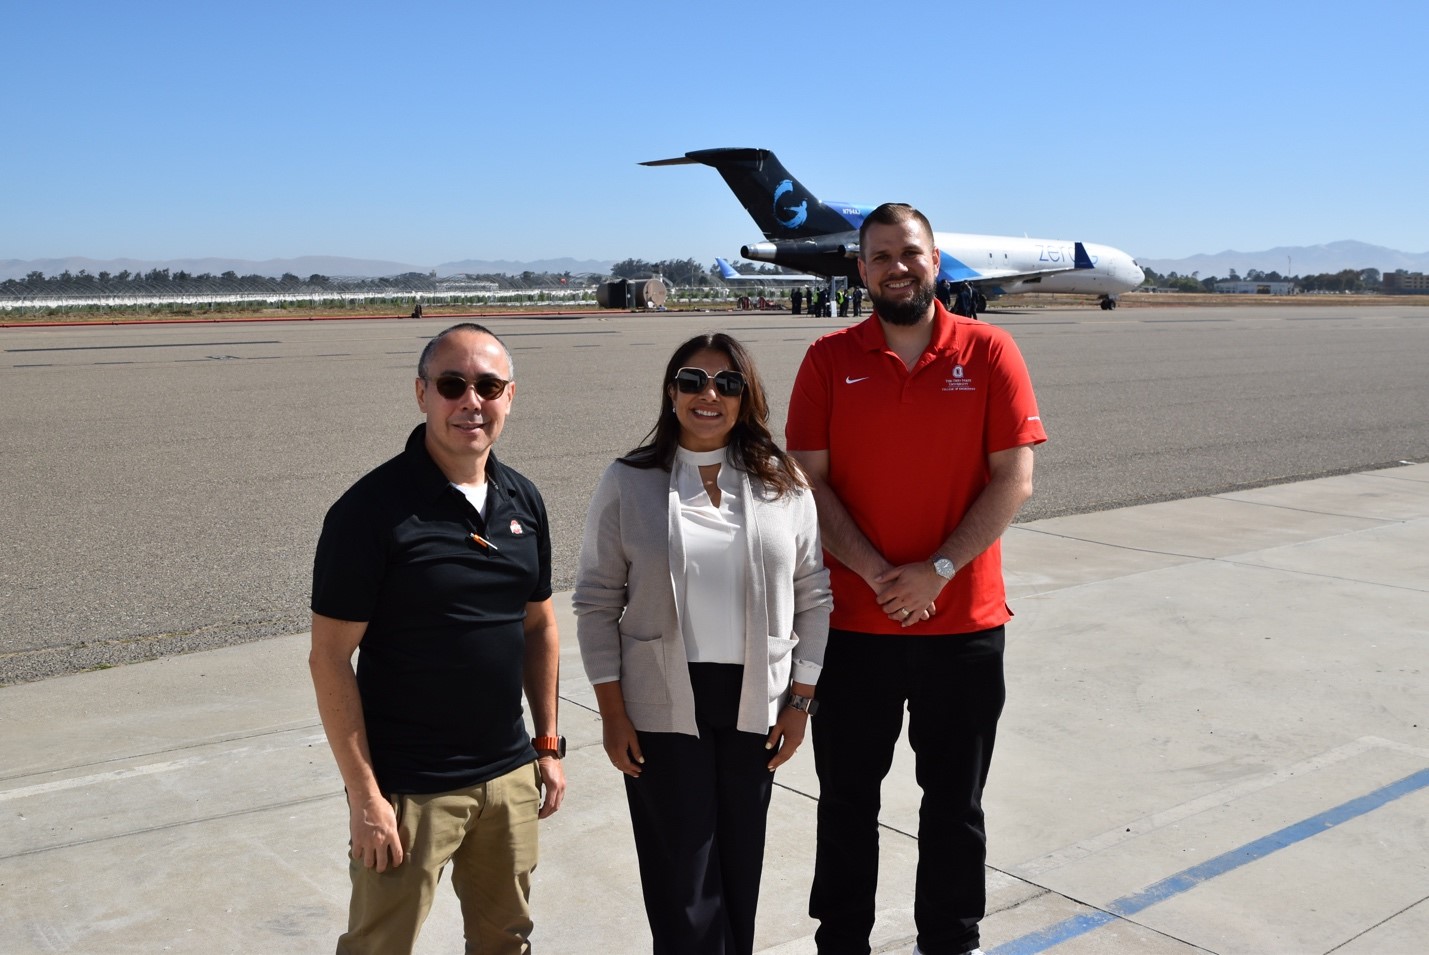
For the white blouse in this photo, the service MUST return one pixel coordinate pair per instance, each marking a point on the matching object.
(710, 587)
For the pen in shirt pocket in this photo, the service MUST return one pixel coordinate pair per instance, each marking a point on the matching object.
(483, 541)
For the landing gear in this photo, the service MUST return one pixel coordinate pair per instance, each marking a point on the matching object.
(1108, 303)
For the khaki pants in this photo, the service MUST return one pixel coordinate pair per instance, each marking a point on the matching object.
(488, 833)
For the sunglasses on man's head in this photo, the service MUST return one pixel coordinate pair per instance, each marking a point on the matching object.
(452, 387)
(692, 381)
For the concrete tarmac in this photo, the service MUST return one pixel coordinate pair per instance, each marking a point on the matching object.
(162, 487)
(1215, 741)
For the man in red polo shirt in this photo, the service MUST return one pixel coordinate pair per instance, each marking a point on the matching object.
(916, 427)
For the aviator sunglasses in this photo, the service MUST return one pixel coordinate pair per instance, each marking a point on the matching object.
(692, 381)
(452, 387)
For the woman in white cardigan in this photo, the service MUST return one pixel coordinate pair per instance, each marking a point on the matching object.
(702, 609)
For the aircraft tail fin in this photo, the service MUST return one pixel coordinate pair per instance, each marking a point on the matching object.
(776, 201)
(726, 270)
(1080, 258)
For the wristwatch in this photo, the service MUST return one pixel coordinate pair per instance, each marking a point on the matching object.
(546, 745)
(944, 568)
(805, 703)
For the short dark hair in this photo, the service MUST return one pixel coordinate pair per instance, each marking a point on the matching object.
(893, 213)
(751, 444)
(431, 347)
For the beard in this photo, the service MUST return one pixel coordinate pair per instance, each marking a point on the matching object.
(908, 311)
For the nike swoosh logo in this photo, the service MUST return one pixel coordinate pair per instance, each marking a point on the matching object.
(854, 381)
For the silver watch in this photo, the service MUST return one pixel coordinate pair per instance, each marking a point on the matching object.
(944, 567)
(806, 704)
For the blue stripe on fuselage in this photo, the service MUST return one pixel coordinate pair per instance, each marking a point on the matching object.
(951, 269)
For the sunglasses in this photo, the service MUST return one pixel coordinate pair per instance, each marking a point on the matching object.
(452, 387)
(692, 381)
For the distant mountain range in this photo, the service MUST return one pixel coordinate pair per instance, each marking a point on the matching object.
(1291, 260)
(331, 266)
(1294, 260)
(557, 266)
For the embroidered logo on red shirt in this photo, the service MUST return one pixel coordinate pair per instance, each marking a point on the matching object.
(958, 381)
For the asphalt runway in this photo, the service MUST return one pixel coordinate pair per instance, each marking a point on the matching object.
(163, 485)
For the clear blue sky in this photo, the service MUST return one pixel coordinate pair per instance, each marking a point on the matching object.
(427, 132)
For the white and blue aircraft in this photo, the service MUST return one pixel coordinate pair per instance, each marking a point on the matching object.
(730, 274)
(822, 237)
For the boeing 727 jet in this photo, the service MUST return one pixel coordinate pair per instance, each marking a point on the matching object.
(804, 233)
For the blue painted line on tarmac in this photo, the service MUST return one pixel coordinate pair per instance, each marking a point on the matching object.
(1187, 879)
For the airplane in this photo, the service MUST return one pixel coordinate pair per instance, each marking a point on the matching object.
(730, 274)
(822, 237)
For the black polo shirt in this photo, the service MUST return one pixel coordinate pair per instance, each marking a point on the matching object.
(441, 661)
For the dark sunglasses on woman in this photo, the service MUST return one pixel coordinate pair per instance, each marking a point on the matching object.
(692, 381)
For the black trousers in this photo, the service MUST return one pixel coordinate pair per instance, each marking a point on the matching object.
(698, 812)
(954, 690)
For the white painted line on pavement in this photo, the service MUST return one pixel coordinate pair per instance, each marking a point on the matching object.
(148, 769)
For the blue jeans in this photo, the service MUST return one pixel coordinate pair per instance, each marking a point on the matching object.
(953, 688)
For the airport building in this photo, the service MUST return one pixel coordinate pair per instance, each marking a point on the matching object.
(1248, 287)
(1406, 282)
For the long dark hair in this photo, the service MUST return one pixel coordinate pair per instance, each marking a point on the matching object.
(751, 445)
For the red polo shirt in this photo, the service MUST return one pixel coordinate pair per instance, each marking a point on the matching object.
(908, 453)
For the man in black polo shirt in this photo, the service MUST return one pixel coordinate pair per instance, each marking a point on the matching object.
(438, 565)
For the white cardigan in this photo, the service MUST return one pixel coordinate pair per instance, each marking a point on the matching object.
(628, 624)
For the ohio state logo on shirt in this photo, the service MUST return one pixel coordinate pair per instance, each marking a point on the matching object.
(957, 380)
(516, 527)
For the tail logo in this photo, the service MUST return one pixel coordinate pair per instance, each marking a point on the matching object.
(796, 214)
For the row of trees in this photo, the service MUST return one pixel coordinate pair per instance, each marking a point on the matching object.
(126, 281)
(156, 281)
(1345, 280)
(685, 273)
(1342, 280)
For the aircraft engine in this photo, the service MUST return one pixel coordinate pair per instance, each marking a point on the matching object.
(824, 255)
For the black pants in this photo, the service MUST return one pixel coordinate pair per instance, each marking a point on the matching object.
(954, 690)
(698, 812)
